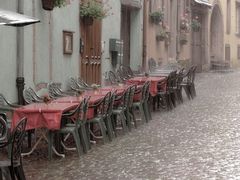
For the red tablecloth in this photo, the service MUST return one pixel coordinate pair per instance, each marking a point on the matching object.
(41, 115)
(153, 83)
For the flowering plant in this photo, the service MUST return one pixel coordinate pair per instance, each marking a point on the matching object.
(157, 16)
(47, 99)
(94, 9)
(196, 25)
(163, 32)
(184, 23)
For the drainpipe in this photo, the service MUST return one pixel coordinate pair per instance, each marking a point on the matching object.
(177, 29)
(20, 56)
(144, 53)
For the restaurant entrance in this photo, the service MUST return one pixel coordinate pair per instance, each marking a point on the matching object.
(90, 51)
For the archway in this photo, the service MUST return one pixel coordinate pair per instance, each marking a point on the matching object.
(216, 35)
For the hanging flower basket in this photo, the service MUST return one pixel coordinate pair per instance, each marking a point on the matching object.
(160, 37)
(196, 25)
(183, 38)
(48, 5)
(157, 17)
(88, 20)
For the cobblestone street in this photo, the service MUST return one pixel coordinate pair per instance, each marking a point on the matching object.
(199, 139)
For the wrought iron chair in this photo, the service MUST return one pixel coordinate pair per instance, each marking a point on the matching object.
(55, 91)
(112, 77)
(3, 129)
(152, 64)
(13, 166)
(30, 96)
(188, 83)
(75, 86)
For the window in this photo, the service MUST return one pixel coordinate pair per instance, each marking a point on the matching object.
(237, 17)
(227, 52)
(228, 20)
(238, 51)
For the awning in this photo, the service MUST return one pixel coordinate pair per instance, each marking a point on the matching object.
(204, 2)
(10, 18)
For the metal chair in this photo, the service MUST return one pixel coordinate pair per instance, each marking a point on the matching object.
(112, 77)
(13, 166)
(3, 129)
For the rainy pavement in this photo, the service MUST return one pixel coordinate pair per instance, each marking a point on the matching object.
(199, 139)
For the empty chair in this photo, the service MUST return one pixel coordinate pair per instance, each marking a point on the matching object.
(30, 96)
(13, 166)
(3, 129)
(112, 77)
(73, 121)
(55, 91)
(188, 83)
(101, 109)
(152, 64)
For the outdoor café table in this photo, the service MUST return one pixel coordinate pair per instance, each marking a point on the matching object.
(42, 116)
(153, 83)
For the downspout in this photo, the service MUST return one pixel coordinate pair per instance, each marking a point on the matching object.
(177, 29)
(20, 56)
(144, 60)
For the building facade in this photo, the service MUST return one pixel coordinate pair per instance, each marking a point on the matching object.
(216, 40)
(39, 47)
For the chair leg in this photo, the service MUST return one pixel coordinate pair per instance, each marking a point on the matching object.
(108, 122)
(123, 121)
(50, 144)
(78, 142)
(84, 138)
(103, 130)
(129, 121)
(143, 115)
(20, 173)
(149, 110)
(187, 92)
(12, 174)
(133, 117)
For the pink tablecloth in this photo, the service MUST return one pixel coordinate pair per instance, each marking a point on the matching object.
(41, 115)
(153, 83)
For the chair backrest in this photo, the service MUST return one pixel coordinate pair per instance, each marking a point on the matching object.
(34, 94)
(147, 91)
(54, 90)
(125, 101)
(131, 95)
(172, 80)
(3, 100)
(152, 64)
(111, 103)
(28, 97)
(112, 77)
(193, 73)
(3, 129)
(126, 71)
(17, 138)
(79, 114)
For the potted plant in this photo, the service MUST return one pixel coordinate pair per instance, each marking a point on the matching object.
(92, 9)
(183, 38)
(196, 25)
(184, 23)
(163, 33)
(156, 17)
(50, 4)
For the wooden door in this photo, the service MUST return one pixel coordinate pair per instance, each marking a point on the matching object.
(91, 53)
(125, 34)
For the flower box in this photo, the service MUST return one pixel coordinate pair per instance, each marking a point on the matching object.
(48, 5)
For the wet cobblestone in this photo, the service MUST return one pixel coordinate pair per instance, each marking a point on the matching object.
(199, 139)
